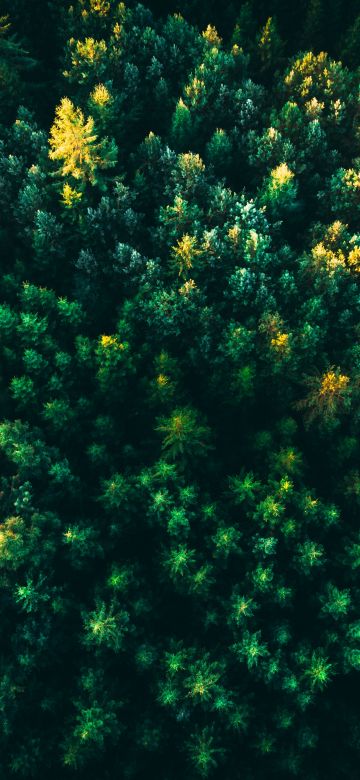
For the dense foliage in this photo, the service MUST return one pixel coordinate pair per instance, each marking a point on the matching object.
(180, 386)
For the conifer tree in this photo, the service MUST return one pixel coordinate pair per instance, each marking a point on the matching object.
(74, 142)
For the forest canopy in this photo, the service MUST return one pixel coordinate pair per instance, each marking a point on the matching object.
(179, 390)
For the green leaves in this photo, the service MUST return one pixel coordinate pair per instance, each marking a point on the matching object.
(31, 596)
(179, 561)
(204, 753)
(244, 488)
(181, 126)
(96, 721)
(319, 670)
(270, 48)
(23, 390)
(14, 62)
(116, 491)
(336, 602)
(184, 435)
(280, 191)
(226, 541)
(310, 556)
(201, 682)
(250, 649)
(106, 626)
(242, 608)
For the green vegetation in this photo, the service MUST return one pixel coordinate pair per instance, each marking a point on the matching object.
(180, 390)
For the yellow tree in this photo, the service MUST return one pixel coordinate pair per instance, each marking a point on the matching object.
(74, 142)
(330, 393)
(184, 254)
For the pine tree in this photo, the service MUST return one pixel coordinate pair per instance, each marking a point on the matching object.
(74, 142)
(270, 46)
(14, 61)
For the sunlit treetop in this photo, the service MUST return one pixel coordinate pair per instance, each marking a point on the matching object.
(74, 142)
(281, 175)
(330, 395)
(317, 76)
(338, 251)
(212, 36)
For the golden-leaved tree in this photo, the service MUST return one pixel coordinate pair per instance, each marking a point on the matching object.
(74, 142)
